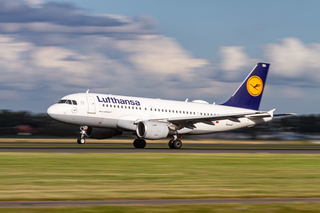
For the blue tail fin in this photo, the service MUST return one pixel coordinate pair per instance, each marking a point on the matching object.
(249, 94)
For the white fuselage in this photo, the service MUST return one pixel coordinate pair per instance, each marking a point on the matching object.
(124, 112)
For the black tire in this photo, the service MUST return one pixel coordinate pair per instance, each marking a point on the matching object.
(177, 144)
(139, 143)
(81, 140)
(170, 144)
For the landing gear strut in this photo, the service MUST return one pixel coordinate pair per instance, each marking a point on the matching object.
(175, 143)
(83, 130)
(139, 143)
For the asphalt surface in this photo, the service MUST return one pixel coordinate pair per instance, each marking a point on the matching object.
(24, 204)
(156, 150)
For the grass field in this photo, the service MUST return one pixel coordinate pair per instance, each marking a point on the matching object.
(62, 176)
(234, 208)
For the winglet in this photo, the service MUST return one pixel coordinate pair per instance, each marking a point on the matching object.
(87, 91)
(271, 112)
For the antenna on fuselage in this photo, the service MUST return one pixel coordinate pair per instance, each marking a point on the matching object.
(87, 91)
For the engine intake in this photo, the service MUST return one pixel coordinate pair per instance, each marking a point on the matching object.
(152, 130)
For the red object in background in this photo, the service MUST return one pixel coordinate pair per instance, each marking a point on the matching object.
(24, 129)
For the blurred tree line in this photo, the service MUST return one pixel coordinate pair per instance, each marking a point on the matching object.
(11, 123)
(300, 124)
(41, 125)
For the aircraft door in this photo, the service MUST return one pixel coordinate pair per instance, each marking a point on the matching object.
(91, 105)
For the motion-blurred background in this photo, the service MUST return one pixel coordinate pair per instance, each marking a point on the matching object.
(159, 49)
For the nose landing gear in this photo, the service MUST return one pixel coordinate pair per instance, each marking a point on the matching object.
(83, 130)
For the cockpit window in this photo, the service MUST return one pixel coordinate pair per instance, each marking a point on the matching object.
(63, 101)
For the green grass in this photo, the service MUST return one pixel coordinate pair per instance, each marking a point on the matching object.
(54, 176)
(234, 208)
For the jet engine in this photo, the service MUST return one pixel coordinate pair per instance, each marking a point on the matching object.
(152, 130)
(102, 133)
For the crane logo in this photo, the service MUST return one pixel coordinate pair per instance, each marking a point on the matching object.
(254, 86)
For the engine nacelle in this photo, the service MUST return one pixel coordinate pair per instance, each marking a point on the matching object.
(101, 133)
(152, 130)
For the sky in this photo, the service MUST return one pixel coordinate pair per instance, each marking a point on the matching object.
(165, 49)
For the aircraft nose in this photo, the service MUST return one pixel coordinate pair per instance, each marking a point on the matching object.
(53, 111)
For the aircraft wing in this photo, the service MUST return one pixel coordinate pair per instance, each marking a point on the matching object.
(189, 122)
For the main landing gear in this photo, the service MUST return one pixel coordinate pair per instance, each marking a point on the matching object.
(83, 130)
(139, 143)
(175, 143)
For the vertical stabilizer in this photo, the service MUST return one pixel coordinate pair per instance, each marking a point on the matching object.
(249, 94)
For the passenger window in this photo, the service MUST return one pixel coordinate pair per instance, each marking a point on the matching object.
(125, 107)
(118, 106)
(103, 105)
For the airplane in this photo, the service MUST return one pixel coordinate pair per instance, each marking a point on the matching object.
(102, 116)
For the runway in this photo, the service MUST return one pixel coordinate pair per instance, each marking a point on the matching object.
(155, 150)
(25, 204)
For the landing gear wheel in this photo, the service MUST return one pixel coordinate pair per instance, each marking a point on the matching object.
(81, 140)
(170, 144)
(139, 143)
(177, 144)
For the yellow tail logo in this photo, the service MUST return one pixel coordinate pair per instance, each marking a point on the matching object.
(254, 86)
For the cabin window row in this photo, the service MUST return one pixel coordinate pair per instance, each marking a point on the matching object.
(122, 107)
(180, 112)
(157, 110)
